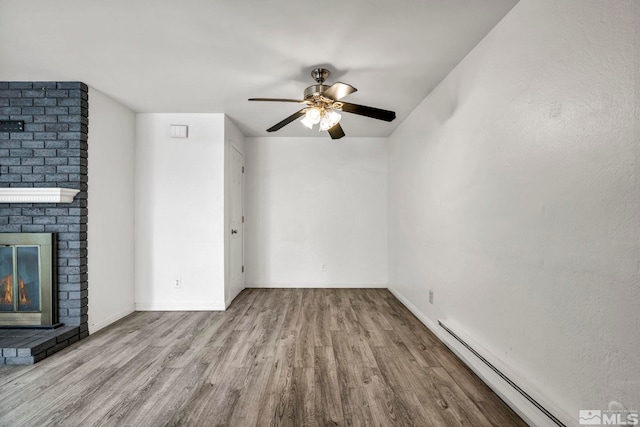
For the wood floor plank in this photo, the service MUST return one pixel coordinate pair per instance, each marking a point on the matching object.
(382, 402)
(214, 404)
(116, 395)
(276, 405)
(169, 395)
(302, 398)
(328, 400)
(276, 357)
(399, 386)
(322, 321)
(351, 370)
(305, 338)
(464, 377)
(102, 365)
(292, 315)
(75, 385)
(254, 396)
(460, 404)
(420, 392)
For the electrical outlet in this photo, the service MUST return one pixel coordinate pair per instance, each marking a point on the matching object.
(177, 283)
(430, 296)
(324, 267)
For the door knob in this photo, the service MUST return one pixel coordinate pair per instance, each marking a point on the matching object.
(234, 231)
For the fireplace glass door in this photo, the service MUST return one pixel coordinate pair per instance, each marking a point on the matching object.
(27, 284)
(19, 279)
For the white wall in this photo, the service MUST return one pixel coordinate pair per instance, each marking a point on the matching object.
(179, 213)
(513, 194)
(233, 140)
(314, 201)
(111, 210)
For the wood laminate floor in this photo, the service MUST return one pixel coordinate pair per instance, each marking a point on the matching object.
(295, 357)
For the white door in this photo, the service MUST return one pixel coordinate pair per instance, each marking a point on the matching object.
(237, 220)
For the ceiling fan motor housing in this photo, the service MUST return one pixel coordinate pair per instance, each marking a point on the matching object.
(314, 90)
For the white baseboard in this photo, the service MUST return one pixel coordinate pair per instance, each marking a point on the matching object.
(314, 285)
(95, 327)
(525, 409)
(179, 306)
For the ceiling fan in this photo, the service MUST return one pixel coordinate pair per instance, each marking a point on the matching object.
(323, 103)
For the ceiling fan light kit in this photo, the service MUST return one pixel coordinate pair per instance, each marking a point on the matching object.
(325, 117)
(323, 103)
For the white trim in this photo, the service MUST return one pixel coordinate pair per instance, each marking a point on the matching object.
(181, 306)
(93, 328)
(315, 285)
(524, 408)
(37, 195)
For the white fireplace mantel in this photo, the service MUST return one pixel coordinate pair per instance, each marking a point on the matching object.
(37, 195)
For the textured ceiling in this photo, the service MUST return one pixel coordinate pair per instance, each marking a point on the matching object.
(210, 56)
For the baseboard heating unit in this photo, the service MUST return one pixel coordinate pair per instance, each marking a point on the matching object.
(503, 376)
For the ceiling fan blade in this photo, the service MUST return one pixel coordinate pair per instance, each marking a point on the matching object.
(277, 99)
(336, 131)
(339, 90)
(288, 120)
(374, 113)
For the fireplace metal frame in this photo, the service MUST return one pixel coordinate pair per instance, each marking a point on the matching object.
(48, 316)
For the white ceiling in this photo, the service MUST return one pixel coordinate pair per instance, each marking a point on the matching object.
(211, 55)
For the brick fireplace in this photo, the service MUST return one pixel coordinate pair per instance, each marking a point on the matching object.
(50, 151)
